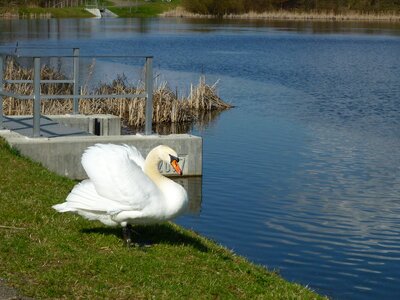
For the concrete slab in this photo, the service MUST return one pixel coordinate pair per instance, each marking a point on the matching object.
(106, 13)
(48, 127)
(65, 125)
(63, 154)
(9, 293)
(94, 11)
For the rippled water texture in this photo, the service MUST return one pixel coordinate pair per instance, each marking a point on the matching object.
(303, 175)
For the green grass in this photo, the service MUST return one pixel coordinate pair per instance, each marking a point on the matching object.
(68, 12)
(145, 9)
(45, 254)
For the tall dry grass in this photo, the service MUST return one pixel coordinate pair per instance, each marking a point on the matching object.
(180, 12)
(13, 106)
(167, 107)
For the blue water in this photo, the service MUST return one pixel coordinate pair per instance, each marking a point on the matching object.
(302, 176)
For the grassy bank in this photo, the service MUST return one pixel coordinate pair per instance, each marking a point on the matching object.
(43, 13)
(122, 8)
(143, 9)
(45, 254)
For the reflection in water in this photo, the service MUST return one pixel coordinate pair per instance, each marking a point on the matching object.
(202, 121)
(321, 27)
(320, 204)
(57, 29)
(340, 213)
(67, 29)
(172, 128)
(193, 186)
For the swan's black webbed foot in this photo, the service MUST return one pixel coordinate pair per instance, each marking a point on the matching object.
(127, 235)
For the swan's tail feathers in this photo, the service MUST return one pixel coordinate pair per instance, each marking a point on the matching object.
(85, 197)
(105, 219)
(63, 207)
(89, 215)
(85, 201)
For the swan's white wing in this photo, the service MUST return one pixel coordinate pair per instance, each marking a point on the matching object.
(135, 155)
(116, 176)
(85, 197)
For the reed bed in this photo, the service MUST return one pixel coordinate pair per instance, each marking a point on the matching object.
(167, 107)
(293, 15)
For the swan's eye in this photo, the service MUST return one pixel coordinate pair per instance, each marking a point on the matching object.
(173, 158)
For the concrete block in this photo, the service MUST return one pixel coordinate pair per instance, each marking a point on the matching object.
(63, 154)
(94, 11)
(94, 124)
(108, 13)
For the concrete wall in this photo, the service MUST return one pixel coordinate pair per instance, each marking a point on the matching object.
(63, 154)
(108, 14)
(105, 124)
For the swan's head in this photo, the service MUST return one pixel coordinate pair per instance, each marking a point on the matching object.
(169, 156)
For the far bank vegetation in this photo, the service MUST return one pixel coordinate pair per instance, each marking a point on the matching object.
(363, 10)
(293, 9)
(40, 9)
(167, 106)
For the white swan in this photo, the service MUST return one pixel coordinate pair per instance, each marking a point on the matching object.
(125, 189)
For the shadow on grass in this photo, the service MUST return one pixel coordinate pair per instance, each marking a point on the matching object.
(153, 234)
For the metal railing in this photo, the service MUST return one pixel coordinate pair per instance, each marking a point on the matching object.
(76, 96)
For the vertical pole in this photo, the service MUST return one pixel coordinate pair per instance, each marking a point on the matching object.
(76, 81)
(1, 89)
(149, 95)
(37, 100)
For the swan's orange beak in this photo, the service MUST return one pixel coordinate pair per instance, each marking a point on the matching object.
(177, 168)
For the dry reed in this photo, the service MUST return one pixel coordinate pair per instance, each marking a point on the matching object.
(295, 15)
(167, 107)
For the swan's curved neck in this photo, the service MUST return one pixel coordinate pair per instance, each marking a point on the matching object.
(151, 167)
(174, 196)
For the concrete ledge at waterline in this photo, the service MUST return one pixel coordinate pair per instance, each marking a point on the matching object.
(108, 13)
(63, 154)
(65, 125)
(94, 11)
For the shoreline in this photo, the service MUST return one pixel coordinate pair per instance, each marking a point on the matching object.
(180, 12)
(180, 263)
(282, 15)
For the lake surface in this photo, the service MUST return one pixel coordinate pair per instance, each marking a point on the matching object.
(302, 176)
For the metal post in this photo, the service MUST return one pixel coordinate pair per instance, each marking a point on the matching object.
(1, 89)
(76, 81)
(149, 95)
(37, 100)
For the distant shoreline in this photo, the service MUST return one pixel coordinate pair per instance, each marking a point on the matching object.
(283, 15)
(179, 12)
